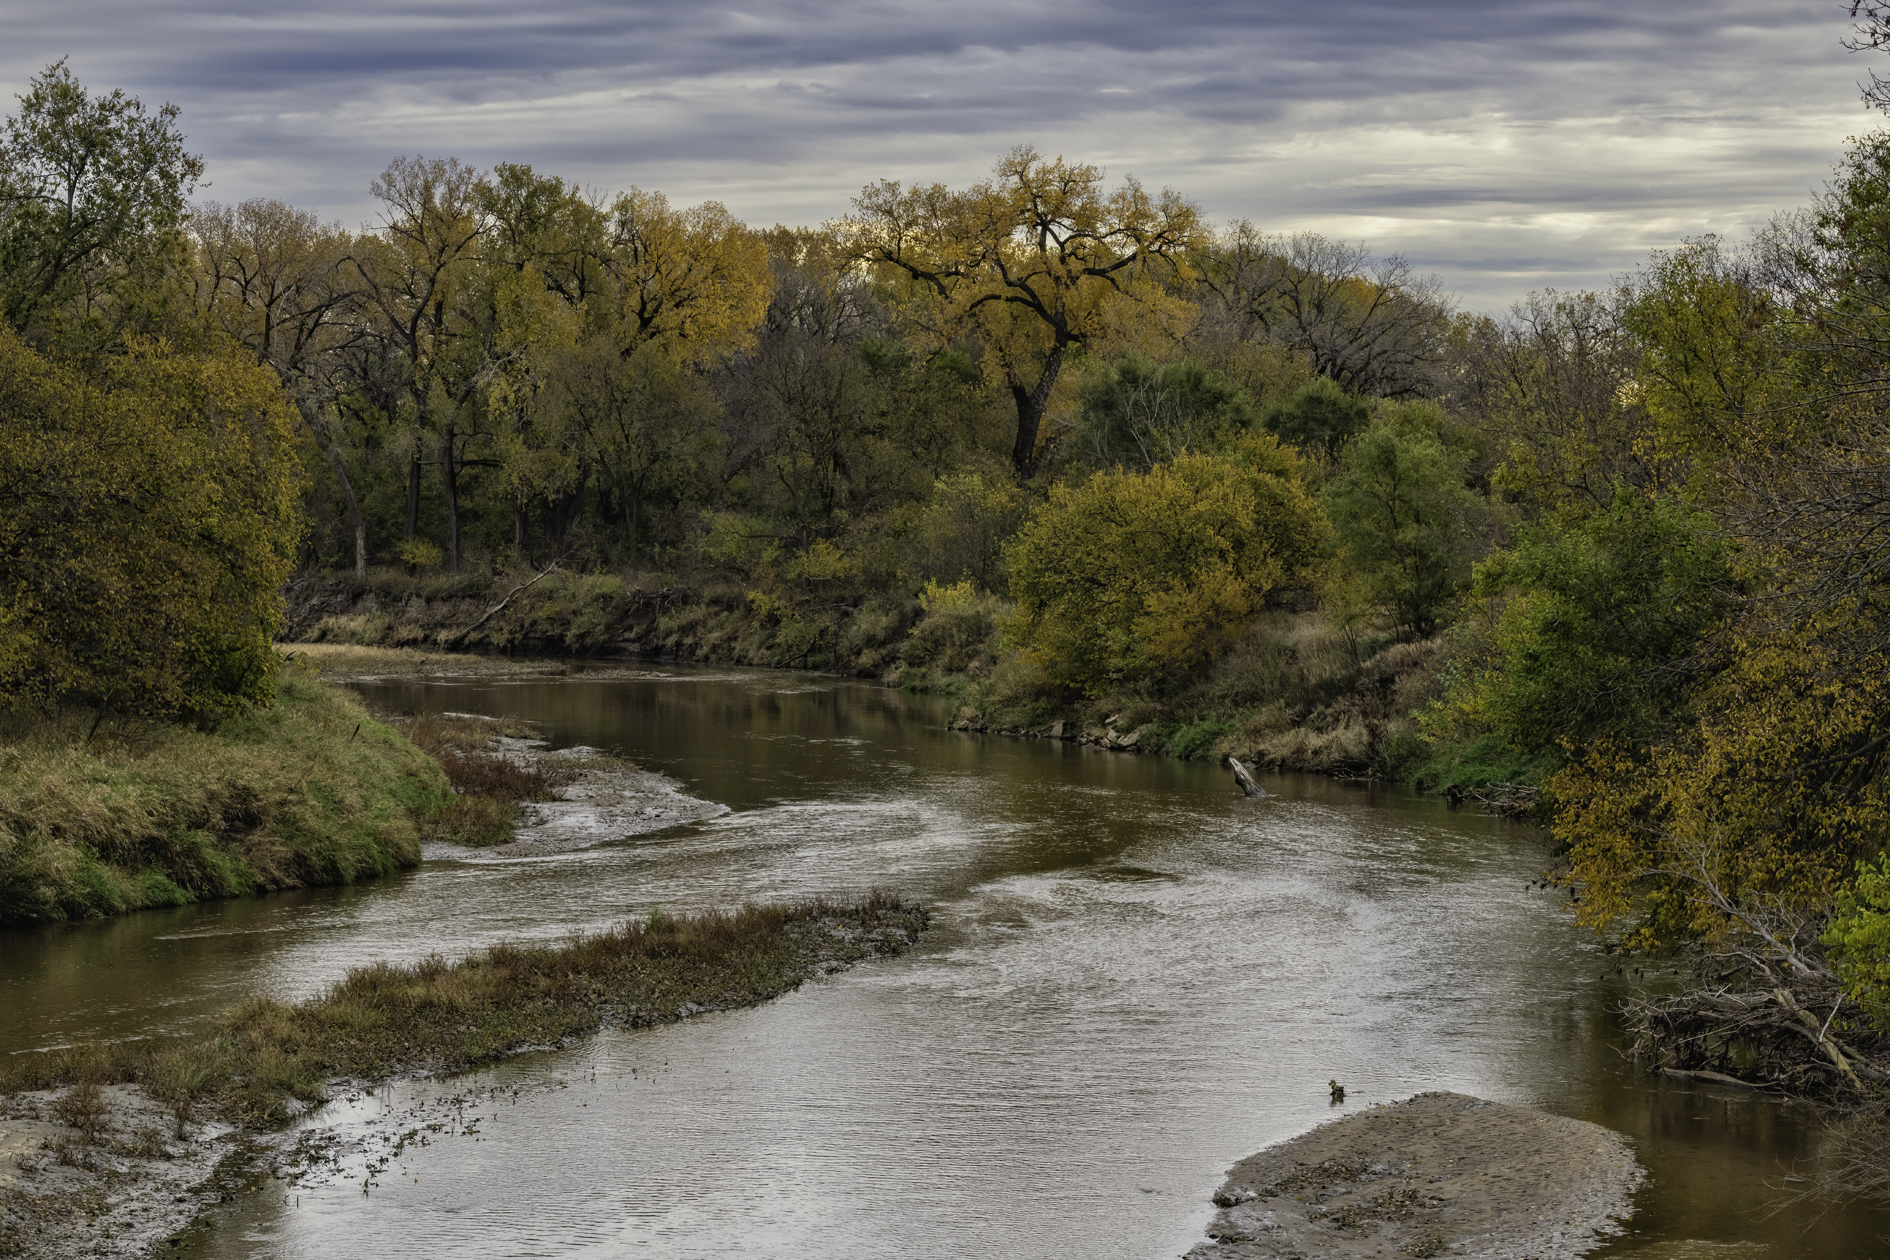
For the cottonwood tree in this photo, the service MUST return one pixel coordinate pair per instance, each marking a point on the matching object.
(420, 271)
(696, 282)
(1033, 260)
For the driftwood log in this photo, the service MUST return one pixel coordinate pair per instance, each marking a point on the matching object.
(1249, 786)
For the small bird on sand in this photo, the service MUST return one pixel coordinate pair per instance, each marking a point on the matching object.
(1338, 1091)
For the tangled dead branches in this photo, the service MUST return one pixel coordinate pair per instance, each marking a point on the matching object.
(1766, 1009)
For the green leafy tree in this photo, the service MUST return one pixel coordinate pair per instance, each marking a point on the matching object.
(147, 522)
(1403, 520)
(1319, 416)
(1142, 574)
(93, 198)
(1606, 628)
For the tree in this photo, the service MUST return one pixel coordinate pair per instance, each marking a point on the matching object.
(419, 273)
(1714, 375)
(281, 284)
(1033, 260)
(1138, 414)
(1553, 384)
(1775, 791)
(1318, 417)
(1401, 515)
(1141, 574)
(1607, 628)
(1372, 325)
(93, 193)
(694, 281)
(647, 424)
(147, 522)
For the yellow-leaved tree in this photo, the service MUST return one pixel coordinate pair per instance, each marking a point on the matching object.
(1774, 795)
(694, 281)
(1138, 574)
(1037, 262)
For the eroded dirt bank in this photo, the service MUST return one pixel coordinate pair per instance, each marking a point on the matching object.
(1440, 1174)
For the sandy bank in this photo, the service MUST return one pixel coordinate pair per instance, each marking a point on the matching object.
(1436, 1175)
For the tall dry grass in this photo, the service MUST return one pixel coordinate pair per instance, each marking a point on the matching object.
(488, 783)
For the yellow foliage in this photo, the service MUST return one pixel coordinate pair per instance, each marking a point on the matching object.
(1137, 574)
(935, 598)
(694, 281)
(1778, 792)
(1037, 261)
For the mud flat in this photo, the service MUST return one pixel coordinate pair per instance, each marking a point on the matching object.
(1440, 1174)
(120, 1187)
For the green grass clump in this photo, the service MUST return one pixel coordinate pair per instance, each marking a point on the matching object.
(308, 791)
(1484, 760)
(446, 1016)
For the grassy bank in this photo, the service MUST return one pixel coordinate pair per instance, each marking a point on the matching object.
(438, 1016)
(309, 791)
(1300, 692)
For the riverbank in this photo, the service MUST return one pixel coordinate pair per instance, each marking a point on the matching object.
(100, 818)
(1435, 1175)
(1297, 693)
(101, 1126)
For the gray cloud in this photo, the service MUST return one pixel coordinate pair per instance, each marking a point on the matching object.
(1505, 145)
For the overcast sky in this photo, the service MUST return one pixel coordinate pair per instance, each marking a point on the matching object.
(1506, 146)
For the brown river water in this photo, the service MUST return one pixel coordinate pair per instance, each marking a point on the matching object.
(1135, 978)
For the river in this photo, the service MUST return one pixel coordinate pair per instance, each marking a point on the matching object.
(1136, 977)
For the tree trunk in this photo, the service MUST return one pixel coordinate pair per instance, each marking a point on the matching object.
(413, 491)
(1031, 405)
(633, 501)
(1249, 786)
(347, 490)
(450, 468)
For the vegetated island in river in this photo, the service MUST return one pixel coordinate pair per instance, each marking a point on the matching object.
(1438, 1174)
(113, 1141)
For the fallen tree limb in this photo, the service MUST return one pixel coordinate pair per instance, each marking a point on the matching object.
(455, 639)
(1717, 1078)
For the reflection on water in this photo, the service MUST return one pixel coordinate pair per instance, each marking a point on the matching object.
(1138, 977)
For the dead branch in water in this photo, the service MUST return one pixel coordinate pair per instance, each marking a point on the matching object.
(1249, 785)
(1506, 799)
(1767, 1008)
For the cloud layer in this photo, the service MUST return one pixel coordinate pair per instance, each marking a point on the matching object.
(1506, 146)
